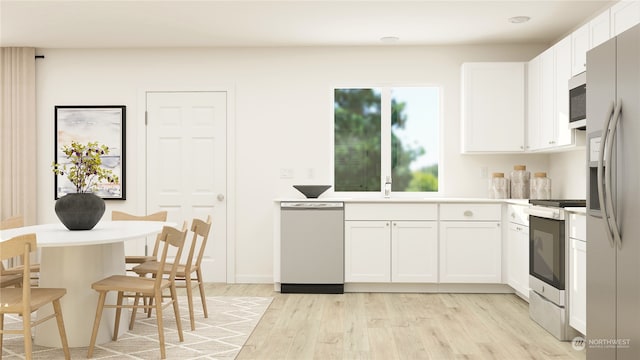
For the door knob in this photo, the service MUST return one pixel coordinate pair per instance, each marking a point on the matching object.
(220, 197)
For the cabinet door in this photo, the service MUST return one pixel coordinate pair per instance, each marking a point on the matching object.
(624, 15)
(599, 29)
(493, 109)
(534, 104)
(548, 83)
(470, 252)
(414, 251)
(578, 284)
(367, 251)
(541, 125)
(518, 259)
(563, 135)
(579, 47)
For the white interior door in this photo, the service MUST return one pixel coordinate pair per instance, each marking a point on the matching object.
(186, 166)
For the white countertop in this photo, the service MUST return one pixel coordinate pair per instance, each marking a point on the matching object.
(577, 210)
(408, 200)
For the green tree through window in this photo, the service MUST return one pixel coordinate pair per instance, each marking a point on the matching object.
(359, 128)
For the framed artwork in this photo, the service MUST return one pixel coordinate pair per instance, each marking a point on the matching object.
(104, 124)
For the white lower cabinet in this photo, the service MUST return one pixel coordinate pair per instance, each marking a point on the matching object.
(578, 281)
(367, 251)
(414, 251)
(518, 259)
(379, 249)
(470, 252)
(463, 246)
(470, 243)
(391, 251)
(578, 273)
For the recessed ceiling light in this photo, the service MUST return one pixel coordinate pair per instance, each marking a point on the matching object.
(519, 19)
(389, 39)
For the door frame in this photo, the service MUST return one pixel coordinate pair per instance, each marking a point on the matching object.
(140, 138)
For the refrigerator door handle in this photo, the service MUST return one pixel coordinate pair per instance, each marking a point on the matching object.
(601, 175)
(611, 212)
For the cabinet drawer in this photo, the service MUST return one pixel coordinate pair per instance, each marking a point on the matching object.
(466, 212)
(396, 211)
(578, 226)
(517, 214)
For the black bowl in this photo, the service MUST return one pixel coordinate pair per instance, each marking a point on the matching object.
(312, 191)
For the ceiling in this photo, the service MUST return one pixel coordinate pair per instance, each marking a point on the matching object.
(212, 23)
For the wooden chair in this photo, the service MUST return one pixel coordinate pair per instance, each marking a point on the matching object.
(12, 276)
(171, 239)
(25, 300)
(186, 270)
(131, 260)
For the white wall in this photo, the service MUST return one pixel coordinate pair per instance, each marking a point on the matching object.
(568, 173)
(282, 117)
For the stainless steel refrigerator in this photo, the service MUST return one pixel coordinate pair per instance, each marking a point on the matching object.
(613, 198)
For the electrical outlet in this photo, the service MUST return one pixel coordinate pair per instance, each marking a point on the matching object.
(286, 173)
(484, 172)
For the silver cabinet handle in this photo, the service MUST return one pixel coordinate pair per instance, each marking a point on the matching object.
(220, 197)
(468, 213)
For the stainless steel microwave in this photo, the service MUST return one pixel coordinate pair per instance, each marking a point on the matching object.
(578, 101)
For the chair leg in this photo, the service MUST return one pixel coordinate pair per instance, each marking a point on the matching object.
(26, 327)
(133, 311)
(116, 326)
(150, 306)
(176, 311)
(202, 295)
(96, 322)
(63, 334)
(1, 330)
(158, 297)
(192, 320)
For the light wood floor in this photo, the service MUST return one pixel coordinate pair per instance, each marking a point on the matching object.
(395, 326)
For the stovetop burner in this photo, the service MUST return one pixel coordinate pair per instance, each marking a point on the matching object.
(560, 203)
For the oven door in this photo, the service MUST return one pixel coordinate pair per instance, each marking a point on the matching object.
(547, 250)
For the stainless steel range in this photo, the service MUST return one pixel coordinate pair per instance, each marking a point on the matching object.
(549, 266)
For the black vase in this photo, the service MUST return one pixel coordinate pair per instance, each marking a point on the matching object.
(80, 211)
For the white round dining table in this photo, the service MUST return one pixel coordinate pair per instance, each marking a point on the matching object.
(74, 260)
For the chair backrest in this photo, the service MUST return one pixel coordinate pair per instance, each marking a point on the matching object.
(157, 216)
(171, 239)
(12, 222)
(200, 231)
(120, 215)
(21, 245)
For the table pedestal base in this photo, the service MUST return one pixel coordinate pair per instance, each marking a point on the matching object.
(76, 268)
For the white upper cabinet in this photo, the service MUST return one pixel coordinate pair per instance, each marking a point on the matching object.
(588, 36)
(624, 15)
(563, 136)
(579, 47)
(599, 29)
(548, 122)
(493, 107)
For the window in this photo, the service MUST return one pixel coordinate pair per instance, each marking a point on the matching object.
(386, 132)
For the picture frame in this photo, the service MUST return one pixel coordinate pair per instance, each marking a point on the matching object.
(104, 124)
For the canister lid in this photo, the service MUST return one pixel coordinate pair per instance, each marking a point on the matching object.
(519, 167)
(540, 174)
(497, 175)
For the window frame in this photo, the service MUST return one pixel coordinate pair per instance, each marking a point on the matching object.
(385, 143)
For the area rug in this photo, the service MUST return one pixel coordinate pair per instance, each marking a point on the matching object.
(221, 336)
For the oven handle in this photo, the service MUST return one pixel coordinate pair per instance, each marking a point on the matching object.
(600, 174)
(543, 213)
(613, 222)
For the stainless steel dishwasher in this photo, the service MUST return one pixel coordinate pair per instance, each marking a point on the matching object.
(312, 247)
